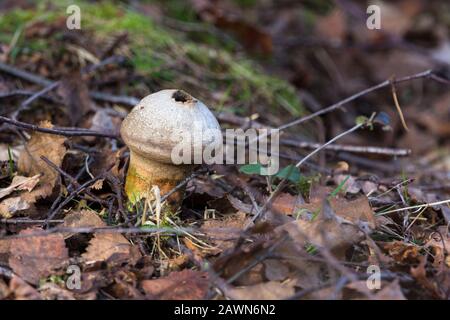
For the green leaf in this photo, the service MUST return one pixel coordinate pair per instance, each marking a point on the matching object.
(290, 172)
(251, 169)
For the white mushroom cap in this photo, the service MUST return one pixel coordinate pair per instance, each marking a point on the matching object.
(161, 120)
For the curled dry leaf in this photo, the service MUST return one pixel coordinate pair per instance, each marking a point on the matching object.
(263, 291)
(34, 257)
(9, 207)
(31, 164)
(112, 248)
(20, 183)
(402, 252)
(183, 285)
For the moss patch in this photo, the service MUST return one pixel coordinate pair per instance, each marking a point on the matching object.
(164, 58)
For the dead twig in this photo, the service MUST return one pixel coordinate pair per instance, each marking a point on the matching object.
(27, 221)
(354, 149)
(131, 101)
(68, 132)
(99, 230)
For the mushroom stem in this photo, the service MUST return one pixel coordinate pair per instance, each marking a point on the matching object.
(144, 173)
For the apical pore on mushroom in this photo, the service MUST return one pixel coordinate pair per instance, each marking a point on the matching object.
(156, 127)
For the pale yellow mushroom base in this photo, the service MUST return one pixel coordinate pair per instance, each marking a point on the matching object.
(143, 174)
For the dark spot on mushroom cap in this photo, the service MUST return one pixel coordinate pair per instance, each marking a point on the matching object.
(182, 96)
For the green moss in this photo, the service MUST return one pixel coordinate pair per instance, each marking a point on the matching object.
(162, 56)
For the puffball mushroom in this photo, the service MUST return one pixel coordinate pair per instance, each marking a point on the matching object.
(153, 128)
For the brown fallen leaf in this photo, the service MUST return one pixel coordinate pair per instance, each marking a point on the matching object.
(51, 291)
(224, 233)
(288, 204)
(430, 284)
(112, 248)
(31, 164)
(75, 94)
(402, 252)
(356, 211)
(392, 291)
(183, 285)
(36, 257)
(389, 291)
(271, 290)
(332, 26)
(275, 270)
(125, 286)
(5, 244)
(82, 219)
(4, 290)
(325, 230)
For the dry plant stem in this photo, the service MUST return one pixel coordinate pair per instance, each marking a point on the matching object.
(72, 195)
(73, 181)
(397, 105)
(420, 206)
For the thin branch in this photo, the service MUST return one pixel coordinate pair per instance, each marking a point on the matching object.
(109, 230)
(397, 105)
(30, 77)
(354, 149)
(420, 206)
(68, 132)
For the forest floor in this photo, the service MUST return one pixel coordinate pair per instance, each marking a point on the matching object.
(360, 208)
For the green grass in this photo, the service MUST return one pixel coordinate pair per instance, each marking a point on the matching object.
(164, 58)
